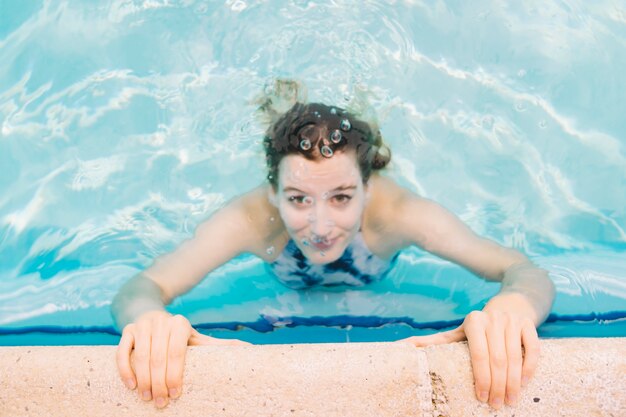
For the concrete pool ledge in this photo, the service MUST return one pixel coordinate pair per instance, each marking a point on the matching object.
(576, 377)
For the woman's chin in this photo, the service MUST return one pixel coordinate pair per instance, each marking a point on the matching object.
(321, 257)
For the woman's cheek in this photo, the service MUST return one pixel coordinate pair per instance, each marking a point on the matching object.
(293, 218)
(348, 219)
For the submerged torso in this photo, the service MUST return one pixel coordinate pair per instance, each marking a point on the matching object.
(357, 266)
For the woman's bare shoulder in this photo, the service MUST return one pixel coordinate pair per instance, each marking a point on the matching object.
(384, 196)
(264, 219)
(396, 214)
(380, 217)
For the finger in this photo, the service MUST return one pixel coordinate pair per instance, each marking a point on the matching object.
(450, 336)
(497, 361)
(476, 335)
(141, 359)
(514, 362)
(176, 352)
(122, 356)
(530, 340)
(158, 360)
(198, 339)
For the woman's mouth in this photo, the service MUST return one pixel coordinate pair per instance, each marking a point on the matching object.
(322, 244)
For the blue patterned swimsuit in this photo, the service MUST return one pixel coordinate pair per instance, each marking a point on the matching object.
(357, 266)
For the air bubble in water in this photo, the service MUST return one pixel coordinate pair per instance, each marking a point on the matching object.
(345, 125)
(305, 144)
(270, 250)
(336, 136)
(333, 110)
(326, 151)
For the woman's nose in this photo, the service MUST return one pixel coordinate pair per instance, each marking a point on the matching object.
(321, 221)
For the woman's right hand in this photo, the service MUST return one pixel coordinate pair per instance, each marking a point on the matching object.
(159, 341)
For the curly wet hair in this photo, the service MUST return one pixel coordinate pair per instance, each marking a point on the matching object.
(317, 131)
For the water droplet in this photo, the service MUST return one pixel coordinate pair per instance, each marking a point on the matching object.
(326, 151)
(521, 73)
(333, 110)
(270, 250)
(336, 136)
(325, 195)
(322, 253)
(543, 124)
(307, 200)
(305, 242)
(272, 219)
(305, 144)
(310, 218)
(330, 223)
(520, 106)
(345, 125)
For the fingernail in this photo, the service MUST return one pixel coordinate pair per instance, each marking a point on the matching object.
(173, 393)
(483, 396)
(130, 383)
(497, 403)
(511, 399)
(160, 402)
(525, 380)
(146, 395)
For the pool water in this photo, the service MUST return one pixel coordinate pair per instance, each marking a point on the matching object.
(124, 124)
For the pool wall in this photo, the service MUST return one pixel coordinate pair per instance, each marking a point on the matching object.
(575, 377)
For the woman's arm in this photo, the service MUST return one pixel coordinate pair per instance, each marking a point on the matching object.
(496, 334)
(436, 230)
(158, 339)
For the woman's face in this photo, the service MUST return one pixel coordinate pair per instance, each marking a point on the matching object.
(321, 203)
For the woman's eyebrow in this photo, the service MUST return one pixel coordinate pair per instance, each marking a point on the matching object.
(294, 189)
(345, 188)
(340, 188)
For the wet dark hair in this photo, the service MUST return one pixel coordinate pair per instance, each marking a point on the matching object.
(317, 131)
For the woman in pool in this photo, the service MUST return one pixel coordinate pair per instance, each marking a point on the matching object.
(327, 217)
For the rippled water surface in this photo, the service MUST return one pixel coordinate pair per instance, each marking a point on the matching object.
(123, 124)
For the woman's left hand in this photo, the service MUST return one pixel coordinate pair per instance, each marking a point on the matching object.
(495, 339)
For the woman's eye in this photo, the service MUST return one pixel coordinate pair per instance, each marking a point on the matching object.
(300, 200)
(342, 198)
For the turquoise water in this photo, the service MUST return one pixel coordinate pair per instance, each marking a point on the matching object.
(123, 124)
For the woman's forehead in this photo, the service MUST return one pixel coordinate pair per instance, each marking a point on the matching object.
(340, 170)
